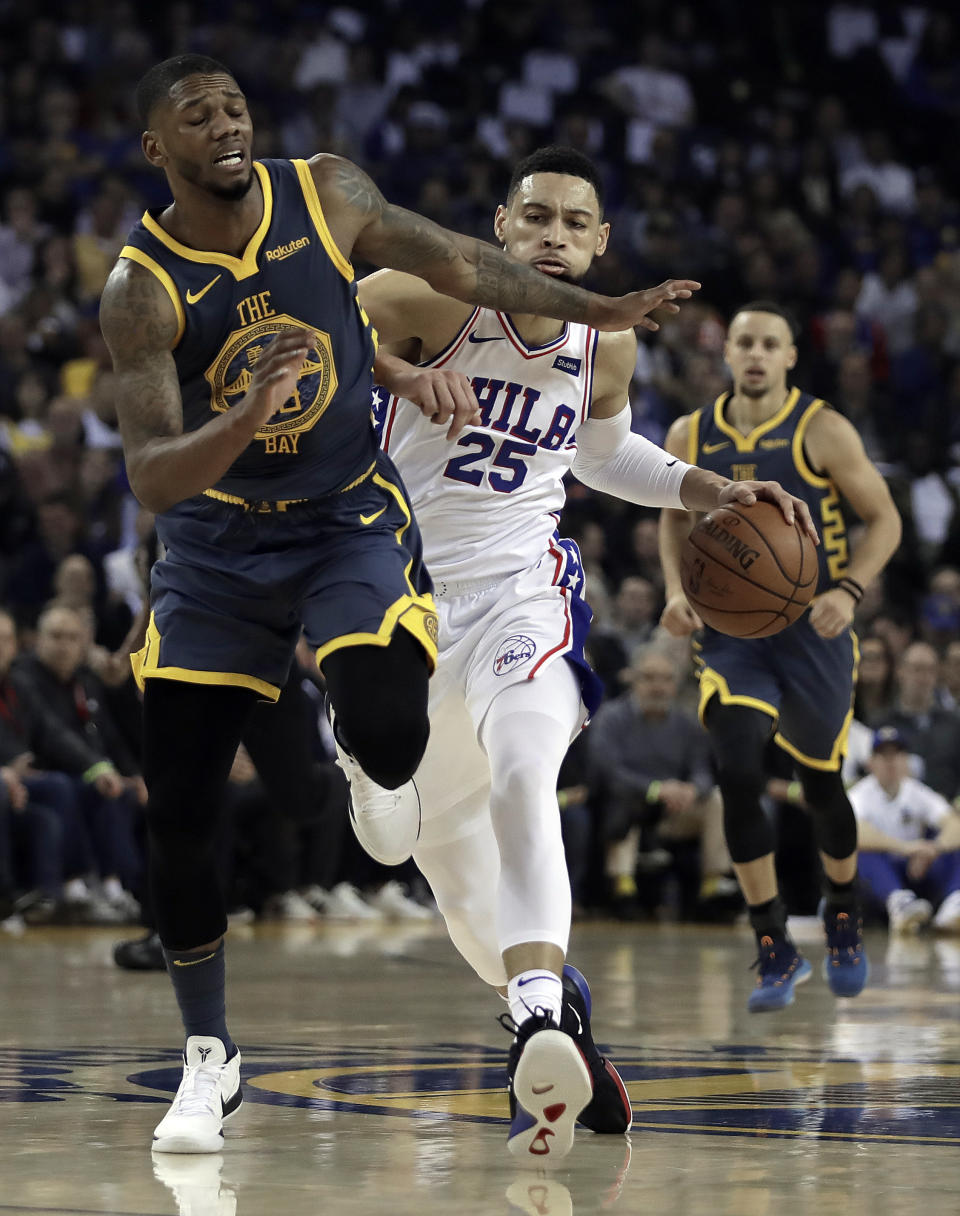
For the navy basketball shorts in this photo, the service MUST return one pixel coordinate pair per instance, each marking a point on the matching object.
(803, 681)
(237, 584)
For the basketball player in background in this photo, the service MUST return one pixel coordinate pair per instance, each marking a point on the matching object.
(243, 395)
(512, 686)
(799, 683)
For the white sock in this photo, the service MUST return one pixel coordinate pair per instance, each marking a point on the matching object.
(75, 890)
(535, 990)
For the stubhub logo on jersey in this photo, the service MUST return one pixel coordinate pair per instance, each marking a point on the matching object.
(514, 652)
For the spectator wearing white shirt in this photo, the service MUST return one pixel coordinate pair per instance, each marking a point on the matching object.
(909, 842)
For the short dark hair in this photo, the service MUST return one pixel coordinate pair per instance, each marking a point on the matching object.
(155, 86)
(555, 158)
(776, 309)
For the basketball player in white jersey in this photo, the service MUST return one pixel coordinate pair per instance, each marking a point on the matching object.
(487, 492)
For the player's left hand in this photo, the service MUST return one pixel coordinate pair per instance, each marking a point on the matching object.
(748, 492)
(442, 396)
(832, 612)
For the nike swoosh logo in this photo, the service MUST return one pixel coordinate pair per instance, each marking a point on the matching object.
(669, 463)
(192, 962)
(709, 448)
(531, 978)
(495, 338)
(368, 519)
(192, 299)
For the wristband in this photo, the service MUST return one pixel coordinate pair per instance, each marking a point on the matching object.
(852, 588)
(95, 770)
(653, 791)
(794, 792)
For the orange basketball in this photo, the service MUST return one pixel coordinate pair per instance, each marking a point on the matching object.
(747, 572)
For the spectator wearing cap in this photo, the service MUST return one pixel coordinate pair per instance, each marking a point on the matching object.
(909, 838)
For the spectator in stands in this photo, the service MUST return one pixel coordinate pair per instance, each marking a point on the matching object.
(930, 732)
(909, 861)
(45, 762)
(653, 779)
(113, 788)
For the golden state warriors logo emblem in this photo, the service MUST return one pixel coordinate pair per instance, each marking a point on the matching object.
(230, 374)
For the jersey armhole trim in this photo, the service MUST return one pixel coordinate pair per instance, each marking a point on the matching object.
(312, 199)
(799, 455)
(693, 438)
(133, 254)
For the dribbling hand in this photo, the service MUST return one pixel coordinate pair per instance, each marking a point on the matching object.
(678, 618)
(748, 492)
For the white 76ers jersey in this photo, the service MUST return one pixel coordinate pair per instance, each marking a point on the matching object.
(488, 503)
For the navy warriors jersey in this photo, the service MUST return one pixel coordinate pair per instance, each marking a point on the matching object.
(229, 308)
(774, 451)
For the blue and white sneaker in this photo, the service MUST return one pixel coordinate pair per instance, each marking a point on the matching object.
(846, 967)
(549, 1085)
(780, 967)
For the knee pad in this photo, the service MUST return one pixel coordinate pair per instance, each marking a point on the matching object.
(834, 823)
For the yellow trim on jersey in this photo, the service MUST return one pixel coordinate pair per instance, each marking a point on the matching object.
(799, 456)
(748, 443)
(415, 613)
(693, 437)
(133, 254)
(242, 267)
(712, 682)
(312, 199)
(145, 664)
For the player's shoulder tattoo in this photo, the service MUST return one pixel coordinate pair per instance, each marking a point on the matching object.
(136, 314)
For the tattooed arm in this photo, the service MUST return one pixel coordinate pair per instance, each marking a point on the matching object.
(164, 464)
(363, 223)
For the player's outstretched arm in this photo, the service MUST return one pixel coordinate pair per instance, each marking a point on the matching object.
(164, 464)
(364, 224)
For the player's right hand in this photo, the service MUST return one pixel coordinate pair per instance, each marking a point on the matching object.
(275, 375)
(625, 312)
(678, 618)
(442, 396)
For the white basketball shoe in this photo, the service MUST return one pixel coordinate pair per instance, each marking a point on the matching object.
(209, 1093)
(386, 822)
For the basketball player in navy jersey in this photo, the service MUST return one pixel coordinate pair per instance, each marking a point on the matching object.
(512, 685)
(243, 376)
(799, 683)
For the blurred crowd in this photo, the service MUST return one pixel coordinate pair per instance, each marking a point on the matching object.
(804, 155)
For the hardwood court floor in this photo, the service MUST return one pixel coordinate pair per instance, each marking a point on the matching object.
(373, 1069)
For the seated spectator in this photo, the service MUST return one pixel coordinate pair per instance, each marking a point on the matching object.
(652, 776)
(875, 679)
(46, 763)
(930, 732)
(111, 787)
(909, 860)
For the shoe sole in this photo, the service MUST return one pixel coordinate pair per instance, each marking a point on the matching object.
(186, 1144)
(552, 1085)
(803, 974)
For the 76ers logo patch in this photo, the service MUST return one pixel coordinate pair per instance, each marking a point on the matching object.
(514, 652)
